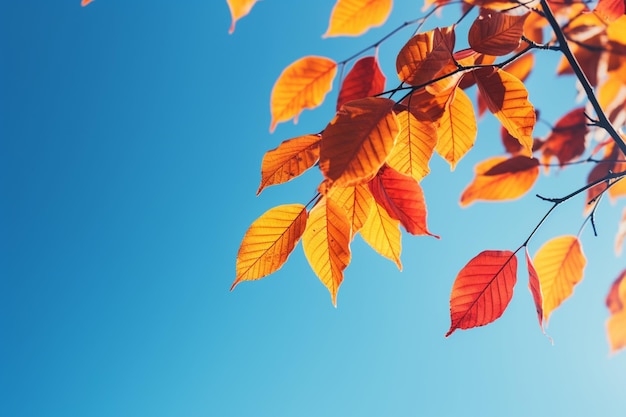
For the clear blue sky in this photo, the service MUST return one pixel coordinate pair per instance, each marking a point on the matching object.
(131, 136)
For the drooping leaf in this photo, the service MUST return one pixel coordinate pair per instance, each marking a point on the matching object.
(382, 233)
(326, 243)
(365, 79)
(238, 9)
(482, 290)
(559, 263)
(290, 159)
(414, 146)
(357, 202)
(610, 10)
(616, 323)
(302, 85)
(535, 289)
(269, 241)
(506, 97)
(403, 199)
(358, 140)
(567, 139)
(424, 55)
(621, 234)
(501, 178)
(355, 17)
(495, 33)
(456, 130)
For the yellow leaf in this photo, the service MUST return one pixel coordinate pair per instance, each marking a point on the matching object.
(383, 234)
(326, 243)
(238, 9)
(269, 241)
(355, 17)
(559, 264)
(358, 140)
(290, 159)
(457, 129)
(356, 201)
(414, 146)
(302, 85)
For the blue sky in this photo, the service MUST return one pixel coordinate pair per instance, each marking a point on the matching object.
(131, 136)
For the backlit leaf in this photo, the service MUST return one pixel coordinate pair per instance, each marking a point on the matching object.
(365, 79)
(499, 178)
(535, 289)
(302, 85)
(238, 9)
(403, 199)
(610, 10)
(358, 140)
(382, 233)
(506, 97)
(290, 159)
(456, 130)
(269, 241)
(357, 202)
(567, 139)
(482, 290)
(424, 55)
(326, 243)
(521, 67)
(355, 17)
(414, 146)
(621, 234)
(559, 264)
(495, 33)
(616, 324)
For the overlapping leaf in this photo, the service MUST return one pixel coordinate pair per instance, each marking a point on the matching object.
(403, 199)
(456, 130)
(290, 159)
(365, 79)
(382, 233)
(326, 243)
(355, 17)
(269, 241)
(495, 33)
(357, 202)
(499, 178)
(238, 9)
(424, 55)
(567, 139)
(302, 85)
(559, 263)
(358, 140)
(616, 323)
(482, 290)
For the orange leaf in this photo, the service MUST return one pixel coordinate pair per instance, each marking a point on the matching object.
(302, 85)
(610, 10)
(621, 234)
(482, 290)
(290, 159)
(616, 324)
(506, 97)
(567, 139)
(326, 243)
(269, 241)
(500, 178)
(403, 199)
(365, 79)
(424, 55)
(535, 289)
(358, 140)
(495, 33)
(559, 264)
(238, 9)
(382, 233)
(357, 202)
(414, 146)
(355, 17)
(457, 129)
(521, 67)
(86, 2)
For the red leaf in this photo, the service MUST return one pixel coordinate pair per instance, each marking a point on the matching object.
(482, 290)
(610, 10)
(365, 79)
(535, 289)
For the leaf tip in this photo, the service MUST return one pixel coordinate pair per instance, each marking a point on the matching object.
(237, 281)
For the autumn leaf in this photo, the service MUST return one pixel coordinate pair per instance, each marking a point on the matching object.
(326, 243)
(269, 241)
(424, 55)
(302, 85)
(456, 129)
(610, 10)
(365, 79)
(86, 2)
(403, 199)
(621, 234)
(355, 17)
(559, 264)
(290, 159)
(414, 146)
(521, 67)
(535, 289)
(482, 290)
(238, 9)
(506, 97)
(616, 323)
(495, 33)
(382, 233)
(501, 178)
(357, 202)
(567, 139)
(358, 140)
